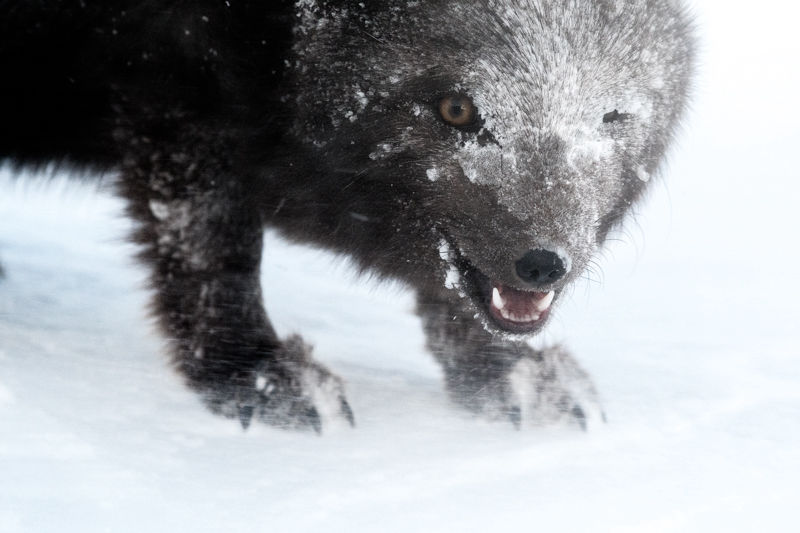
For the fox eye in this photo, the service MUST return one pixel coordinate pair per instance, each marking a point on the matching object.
(457, 110)
(615, 116)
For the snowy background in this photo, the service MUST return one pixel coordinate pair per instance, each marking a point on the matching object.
(692, 336)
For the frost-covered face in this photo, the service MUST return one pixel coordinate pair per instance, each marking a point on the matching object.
(528, 127)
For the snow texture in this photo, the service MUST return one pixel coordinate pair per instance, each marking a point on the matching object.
(692, 341)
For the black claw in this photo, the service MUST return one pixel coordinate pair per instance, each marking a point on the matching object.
(515, 415)
(245, 415)
(580, 416)
(348, 413)
(313, 418)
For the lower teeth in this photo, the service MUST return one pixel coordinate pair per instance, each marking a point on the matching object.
(517, 318)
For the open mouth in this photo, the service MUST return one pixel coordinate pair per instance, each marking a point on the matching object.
(508, 308)
(519, 309)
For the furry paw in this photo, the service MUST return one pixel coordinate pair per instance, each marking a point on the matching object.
(550, 388)
(290, 390)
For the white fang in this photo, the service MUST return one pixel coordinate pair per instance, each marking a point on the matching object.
(497, 300)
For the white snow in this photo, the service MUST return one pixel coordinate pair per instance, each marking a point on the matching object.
(159, 209)
(691, 338)
(642, 173)
(452, 277)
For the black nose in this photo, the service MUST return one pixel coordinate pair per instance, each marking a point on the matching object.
(540, 267)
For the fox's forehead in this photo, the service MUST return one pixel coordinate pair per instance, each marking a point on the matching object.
(537, 65)
(573, 96)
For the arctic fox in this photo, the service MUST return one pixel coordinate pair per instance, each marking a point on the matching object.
(478, 150)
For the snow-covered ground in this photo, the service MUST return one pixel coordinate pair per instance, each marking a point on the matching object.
(691, 335)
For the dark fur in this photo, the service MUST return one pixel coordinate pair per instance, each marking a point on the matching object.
(220, 120)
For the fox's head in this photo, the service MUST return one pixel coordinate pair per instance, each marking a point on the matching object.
(517, 132)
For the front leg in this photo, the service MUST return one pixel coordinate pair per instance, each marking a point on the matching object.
(501, 377)
(202, 239)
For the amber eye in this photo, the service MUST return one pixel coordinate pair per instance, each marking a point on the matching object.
(457, 110)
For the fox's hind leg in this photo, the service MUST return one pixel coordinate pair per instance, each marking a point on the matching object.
(202, 239)
(504, 378)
